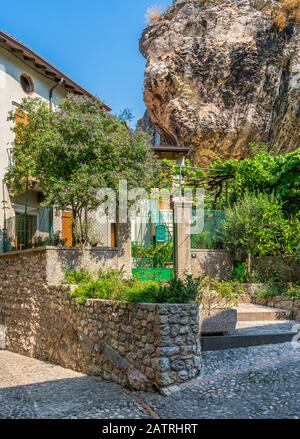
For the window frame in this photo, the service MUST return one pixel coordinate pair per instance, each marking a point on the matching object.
(27, 78)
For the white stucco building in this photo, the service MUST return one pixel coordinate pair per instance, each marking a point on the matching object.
(23, 73)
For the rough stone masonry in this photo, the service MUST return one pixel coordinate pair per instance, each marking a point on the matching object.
(143, 346)
(221, 74)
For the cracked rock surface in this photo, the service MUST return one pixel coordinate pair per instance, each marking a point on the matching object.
(220, 75)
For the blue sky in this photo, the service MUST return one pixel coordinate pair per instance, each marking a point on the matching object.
(95, 42)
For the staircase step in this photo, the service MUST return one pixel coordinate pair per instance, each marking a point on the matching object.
(250, 312)
(265, 327)
(252, 333)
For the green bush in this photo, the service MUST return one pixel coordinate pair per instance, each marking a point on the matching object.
(111, 285)
(180, 290)
(152, 255)
(293, 291)
(256, 227)
(263, 171)
(280, 289)
(74, 277)
(218, 295)
(240, 273)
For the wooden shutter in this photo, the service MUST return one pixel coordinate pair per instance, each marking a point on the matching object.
(113, 235)
(66, 232)
(21, 117)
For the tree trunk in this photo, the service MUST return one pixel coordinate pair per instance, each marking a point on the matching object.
(249, 263)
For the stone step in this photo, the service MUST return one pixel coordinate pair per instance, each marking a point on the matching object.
(265, 327)
(250, 312)
(253, 333)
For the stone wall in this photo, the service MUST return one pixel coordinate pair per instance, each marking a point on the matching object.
(145, 346)
(50, 263)
(282, 302)
(292, 305)
(215, 263)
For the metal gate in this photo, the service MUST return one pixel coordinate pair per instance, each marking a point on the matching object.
(153, 254)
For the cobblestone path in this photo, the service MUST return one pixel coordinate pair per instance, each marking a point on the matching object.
(255, 382)
(246, 383)
(33, 389)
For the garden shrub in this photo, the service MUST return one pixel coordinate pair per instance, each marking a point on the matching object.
(180, 290)
(240, 273)
(218, 295)
(111, 285)
(272, 289)
(152, 256)
(77, 277)
(264, 171)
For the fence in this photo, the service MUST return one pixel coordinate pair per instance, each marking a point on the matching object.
(210, 238)
(33, 226)
(152, 243)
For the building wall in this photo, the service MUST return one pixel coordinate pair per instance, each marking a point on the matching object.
(11, 92)
(147, 346)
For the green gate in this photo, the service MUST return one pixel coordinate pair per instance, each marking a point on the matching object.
(153, 257)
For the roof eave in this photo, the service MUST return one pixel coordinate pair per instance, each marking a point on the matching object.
(40, 63)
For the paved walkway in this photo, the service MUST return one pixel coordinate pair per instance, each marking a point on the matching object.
(256, 382)
(33, 389)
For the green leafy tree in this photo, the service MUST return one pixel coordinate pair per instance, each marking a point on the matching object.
(256, 226)
(187, 176)
(267, 172)
(77, 150)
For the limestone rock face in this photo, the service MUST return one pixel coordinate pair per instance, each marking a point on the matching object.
(221, 74)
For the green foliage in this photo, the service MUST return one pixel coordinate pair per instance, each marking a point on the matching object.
(204, 240)
(190, 177)
(210, 237)
(293, 291)
(74, 277)
(240, 273)
(111, 285)
(271, 289)
(256, 226)
(218, 295)
(77, 150)
(152, 255)
(267, 172)
(180, 290)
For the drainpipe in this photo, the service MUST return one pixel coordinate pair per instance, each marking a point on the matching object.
(4, 219)
(25, 213)
(51, 93)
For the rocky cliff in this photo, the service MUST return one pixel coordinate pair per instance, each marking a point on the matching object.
(221, 74)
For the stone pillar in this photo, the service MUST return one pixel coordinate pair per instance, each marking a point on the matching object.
(182, 236)
(124, 248)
